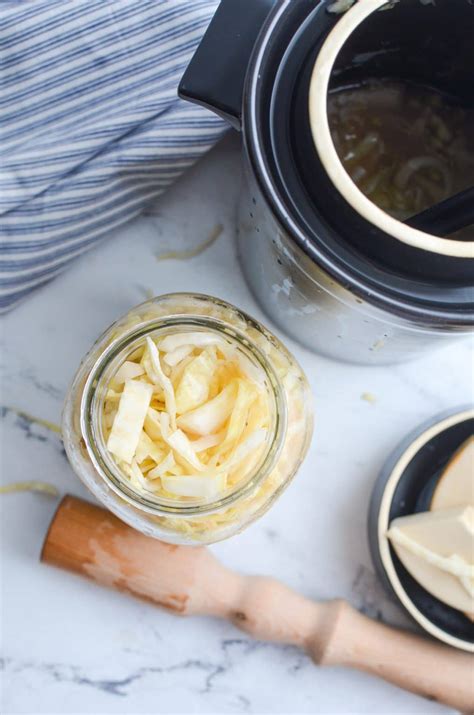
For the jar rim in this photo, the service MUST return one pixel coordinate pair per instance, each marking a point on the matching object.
(98, 378)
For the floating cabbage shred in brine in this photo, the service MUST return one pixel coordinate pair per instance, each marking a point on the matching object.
(186, 416)
(405, 147)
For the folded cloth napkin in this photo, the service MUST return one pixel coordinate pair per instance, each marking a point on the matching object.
(91, 128)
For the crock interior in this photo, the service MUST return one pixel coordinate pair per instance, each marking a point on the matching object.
(397, 62)
(330, 225)
(427, 43)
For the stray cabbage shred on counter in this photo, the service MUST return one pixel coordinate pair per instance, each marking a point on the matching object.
(186, 416)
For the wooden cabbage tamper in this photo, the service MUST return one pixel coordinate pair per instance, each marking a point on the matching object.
(189, 580)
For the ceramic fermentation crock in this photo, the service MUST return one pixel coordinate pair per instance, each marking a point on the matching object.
(331, 269)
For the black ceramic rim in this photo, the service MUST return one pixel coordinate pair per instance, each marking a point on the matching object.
(397, 492)
(435, 307)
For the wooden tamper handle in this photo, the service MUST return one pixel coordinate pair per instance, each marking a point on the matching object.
(187, 580)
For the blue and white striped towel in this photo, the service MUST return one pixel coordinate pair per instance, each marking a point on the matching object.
(91, 128)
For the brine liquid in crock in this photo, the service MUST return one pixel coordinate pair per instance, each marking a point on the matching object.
(406, 147)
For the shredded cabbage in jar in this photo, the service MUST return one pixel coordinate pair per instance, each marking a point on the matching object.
(186, 416)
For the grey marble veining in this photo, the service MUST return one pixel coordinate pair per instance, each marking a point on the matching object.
(71, 647)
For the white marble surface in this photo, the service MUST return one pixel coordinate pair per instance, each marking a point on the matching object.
(71, 647)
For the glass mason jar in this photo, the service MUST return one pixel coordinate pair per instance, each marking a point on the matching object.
(195, 520)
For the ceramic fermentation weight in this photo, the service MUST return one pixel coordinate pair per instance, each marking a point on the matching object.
(331, 269)
(405, 486)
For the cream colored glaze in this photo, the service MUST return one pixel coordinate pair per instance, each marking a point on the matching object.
(443, 585)
(456, 485)
(437, 549)
(444, 538)
(454, 564)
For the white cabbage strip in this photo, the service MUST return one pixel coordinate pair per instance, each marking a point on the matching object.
(185, 415)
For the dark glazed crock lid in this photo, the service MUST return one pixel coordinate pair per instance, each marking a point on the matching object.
(405, 486)
(413, 283)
